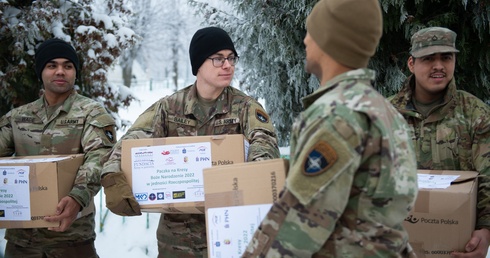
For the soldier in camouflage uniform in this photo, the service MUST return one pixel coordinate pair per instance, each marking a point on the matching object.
(59, 122)
(352, 177)
(451, 128)
(208, 107)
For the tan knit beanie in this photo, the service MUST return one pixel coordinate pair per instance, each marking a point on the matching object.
(347, 30)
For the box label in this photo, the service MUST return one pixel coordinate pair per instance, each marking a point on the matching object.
(435, 181)
(230, 229)
(169, 173)
(15, 201)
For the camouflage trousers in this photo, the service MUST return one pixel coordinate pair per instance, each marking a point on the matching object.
(182, 236)
(85, 249)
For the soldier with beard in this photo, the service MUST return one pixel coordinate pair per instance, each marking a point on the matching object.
(352, 177)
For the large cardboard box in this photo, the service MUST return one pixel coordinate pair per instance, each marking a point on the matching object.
(237, 199)
(166, 173)
(444, 214)
(32, 186)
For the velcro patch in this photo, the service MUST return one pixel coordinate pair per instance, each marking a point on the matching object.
(261, 116)
(109, 133)
(70, 121)
(320, 158)
(227, 121)
(181, 120)
(29, 120)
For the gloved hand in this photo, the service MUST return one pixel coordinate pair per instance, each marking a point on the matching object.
(119, 197)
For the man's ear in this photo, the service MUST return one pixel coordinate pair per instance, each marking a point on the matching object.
(410, 63)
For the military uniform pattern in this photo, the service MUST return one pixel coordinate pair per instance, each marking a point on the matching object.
(352, 178)
(454, 136)
(79, 125)
(433, 40)
(184, 235)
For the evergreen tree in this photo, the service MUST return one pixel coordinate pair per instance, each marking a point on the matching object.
(99, 35)
(269, 36)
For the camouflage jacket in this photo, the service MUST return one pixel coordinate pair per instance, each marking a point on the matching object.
(79, 125)
(180, 115)
(352, 178)
(454, 136)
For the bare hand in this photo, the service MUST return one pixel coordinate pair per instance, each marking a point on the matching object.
(477, 247)
(66, 212)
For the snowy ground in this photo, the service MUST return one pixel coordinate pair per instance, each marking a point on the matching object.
(128, 237)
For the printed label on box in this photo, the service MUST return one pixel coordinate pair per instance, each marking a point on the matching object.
(169, 173)
(15, 201)
(230, 229)
(435, 181)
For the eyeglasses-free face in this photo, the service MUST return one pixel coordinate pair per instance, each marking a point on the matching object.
(220, 61)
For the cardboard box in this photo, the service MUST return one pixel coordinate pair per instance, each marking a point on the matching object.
(32, 186)
(443, 218)
(237, 199)
(164, 163)
(258, 182)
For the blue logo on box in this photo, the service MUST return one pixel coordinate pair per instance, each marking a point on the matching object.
(160, 196)
(152, 197)
(141, 196)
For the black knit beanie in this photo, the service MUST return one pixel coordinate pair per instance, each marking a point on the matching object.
(51, 49)
(208, 41)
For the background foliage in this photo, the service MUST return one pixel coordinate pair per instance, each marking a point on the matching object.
(99, 35)
(268, 35)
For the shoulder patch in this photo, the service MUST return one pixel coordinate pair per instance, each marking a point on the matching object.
(320, 158)
(261, 116)
(110, 133)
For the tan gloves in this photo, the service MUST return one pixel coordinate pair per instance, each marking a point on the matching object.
(119, 197)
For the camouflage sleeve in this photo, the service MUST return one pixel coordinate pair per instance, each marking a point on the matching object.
(318, 185)
(6, 136)
(481, 159)
(260, 132)
(98, 139)
(148, 125)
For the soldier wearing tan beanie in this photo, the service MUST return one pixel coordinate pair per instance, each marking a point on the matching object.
(347, 30)
(352, 176)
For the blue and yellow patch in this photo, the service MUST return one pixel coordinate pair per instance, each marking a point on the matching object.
(320, 158)
(261, 116)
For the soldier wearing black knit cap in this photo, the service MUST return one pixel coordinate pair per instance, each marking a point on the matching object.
(210, 106)
(55, 48)
(60, 122)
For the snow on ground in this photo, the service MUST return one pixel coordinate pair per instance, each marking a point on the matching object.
(128, 237)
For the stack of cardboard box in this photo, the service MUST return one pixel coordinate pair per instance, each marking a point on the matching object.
(205, 174)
